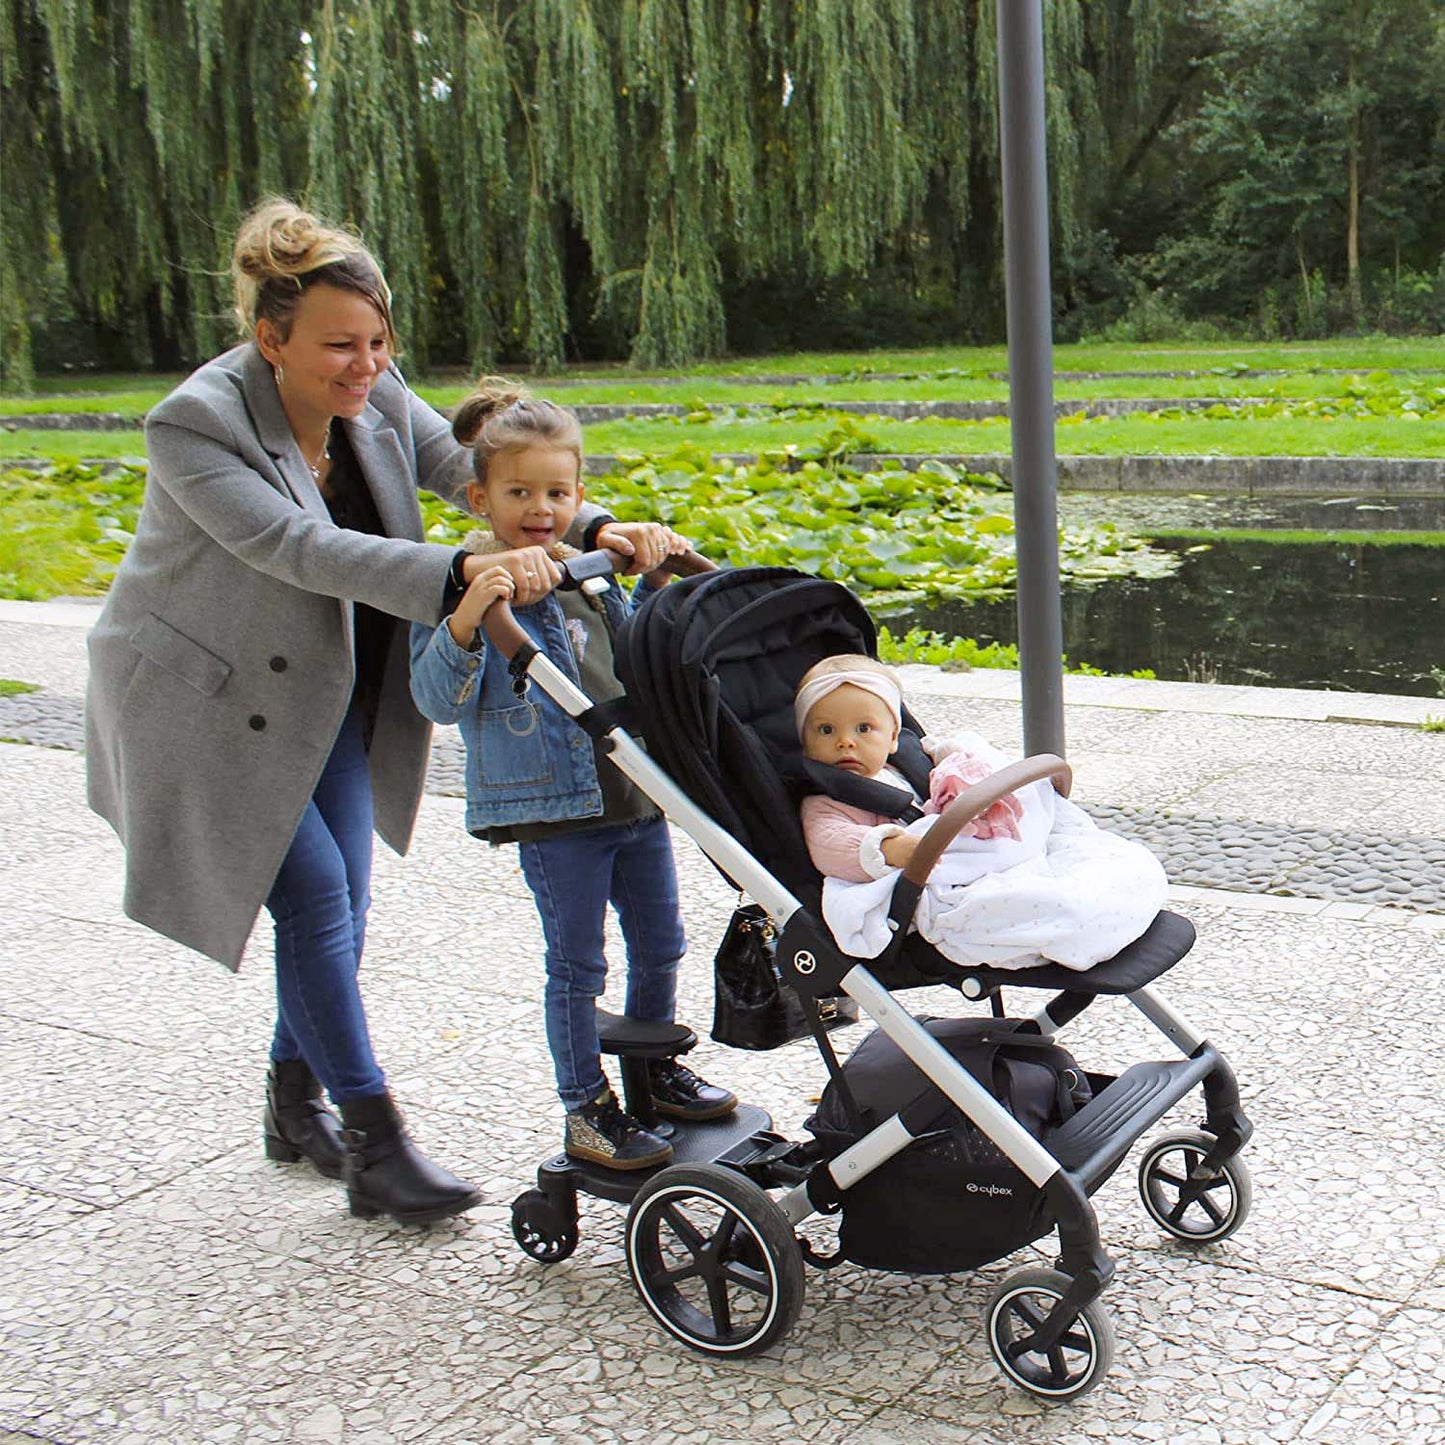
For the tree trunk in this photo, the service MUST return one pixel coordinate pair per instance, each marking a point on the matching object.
(1352, 238)
(1304, 276)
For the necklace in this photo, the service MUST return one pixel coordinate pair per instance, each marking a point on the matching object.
(324, 457)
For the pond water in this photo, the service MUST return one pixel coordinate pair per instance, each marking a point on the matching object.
(1357, 617)
(1137, 513)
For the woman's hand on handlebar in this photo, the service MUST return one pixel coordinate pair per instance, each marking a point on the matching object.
(677, 546)
(489, 584)
(534, 574)
(649, 544)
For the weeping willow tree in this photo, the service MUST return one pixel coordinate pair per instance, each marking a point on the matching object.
(523, 167)
(134, 131)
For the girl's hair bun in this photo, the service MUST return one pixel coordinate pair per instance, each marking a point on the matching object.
(502, 415)
(491, 395)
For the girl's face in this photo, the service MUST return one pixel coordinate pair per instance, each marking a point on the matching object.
(852, 729)
(331, 357)
(531, 495)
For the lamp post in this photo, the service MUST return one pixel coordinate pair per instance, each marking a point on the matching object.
(1030, 357)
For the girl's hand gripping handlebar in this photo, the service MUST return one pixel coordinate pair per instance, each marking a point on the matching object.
(502, 628)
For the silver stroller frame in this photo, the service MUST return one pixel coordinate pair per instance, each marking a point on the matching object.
(1046, 1329)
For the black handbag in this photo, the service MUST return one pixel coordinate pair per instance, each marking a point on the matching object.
(753, 1008)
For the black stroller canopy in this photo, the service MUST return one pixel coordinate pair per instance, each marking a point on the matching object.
(710, 665)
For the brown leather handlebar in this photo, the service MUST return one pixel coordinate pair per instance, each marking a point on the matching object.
(506, 635)
(978, 799)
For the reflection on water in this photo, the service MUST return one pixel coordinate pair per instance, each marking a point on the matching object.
(1321, 614)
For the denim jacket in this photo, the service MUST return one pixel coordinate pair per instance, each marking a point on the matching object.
(527, 761)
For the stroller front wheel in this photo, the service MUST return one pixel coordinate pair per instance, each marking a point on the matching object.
(1072, 1367)
(714, 1259)
(1195, 1207)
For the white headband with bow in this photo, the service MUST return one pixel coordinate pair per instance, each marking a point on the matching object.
(819, 688)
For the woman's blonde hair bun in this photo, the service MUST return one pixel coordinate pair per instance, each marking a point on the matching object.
(281, 249)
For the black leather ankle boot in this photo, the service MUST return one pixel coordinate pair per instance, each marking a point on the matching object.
(297, 1124)
(386, 1173)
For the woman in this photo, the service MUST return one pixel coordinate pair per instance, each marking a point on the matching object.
(248, 717)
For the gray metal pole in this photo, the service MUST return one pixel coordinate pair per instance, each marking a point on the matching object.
(1031, 359)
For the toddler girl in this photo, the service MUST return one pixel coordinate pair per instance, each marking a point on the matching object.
(1031, 879)
(587, 835)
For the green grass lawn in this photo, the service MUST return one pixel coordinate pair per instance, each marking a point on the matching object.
(1303, 384)
(1368, 352)
(1303, 393)
(138, 398)
(967, 373)
(1140, 435)
(23, 445)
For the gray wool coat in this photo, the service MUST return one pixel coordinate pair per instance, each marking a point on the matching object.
(222, 664)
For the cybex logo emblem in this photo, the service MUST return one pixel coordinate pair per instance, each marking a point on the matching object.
(988, 1189)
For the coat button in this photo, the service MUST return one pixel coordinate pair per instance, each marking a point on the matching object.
(278, 664)
(257, 722)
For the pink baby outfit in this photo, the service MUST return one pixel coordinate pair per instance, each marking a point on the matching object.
(841, 836)
(847, 842)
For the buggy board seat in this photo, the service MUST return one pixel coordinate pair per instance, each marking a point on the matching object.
(639, 1039)
(634, 1042)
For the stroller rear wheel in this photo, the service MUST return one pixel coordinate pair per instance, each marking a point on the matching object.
(714, 1259)
(1196, 1208)
(1064, 1371)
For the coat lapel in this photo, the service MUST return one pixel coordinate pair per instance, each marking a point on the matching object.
(275, 433)
(391, 480)
(378, 451)
(259, 384)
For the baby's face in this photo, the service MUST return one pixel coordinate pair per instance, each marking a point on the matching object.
(850, 728)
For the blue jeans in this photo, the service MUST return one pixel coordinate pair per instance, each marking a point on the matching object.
(319, 903)
(573, 877)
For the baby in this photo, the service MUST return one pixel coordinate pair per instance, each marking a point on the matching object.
(1032, 879)
(849, 712)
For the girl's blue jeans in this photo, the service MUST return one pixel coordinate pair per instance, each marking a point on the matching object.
(319, 903)
(573, 877)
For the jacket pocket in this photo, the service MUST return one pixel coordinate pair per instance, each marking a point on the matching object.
(514, 747)
(156, 639)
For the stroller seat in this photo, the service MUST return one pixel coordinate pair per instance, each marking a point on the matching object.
(720, 656)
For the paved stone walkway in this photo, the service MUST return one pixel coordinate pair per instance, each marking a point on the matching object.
(161, 1282)
(1204, 848)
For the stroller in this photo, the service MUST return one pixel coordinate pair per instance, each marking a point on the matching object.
(920, 1124)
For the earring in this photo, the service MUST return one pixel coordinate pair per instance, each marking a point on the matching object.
(280, 375)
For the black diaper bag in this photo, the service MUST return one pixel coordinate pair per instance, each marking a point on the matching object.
(951, 1200)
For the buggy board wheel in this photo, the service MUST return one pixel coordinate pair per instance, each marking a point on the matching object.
(714, 1259)
(1196, 1210)
(1068, 1369)
(542, 1228)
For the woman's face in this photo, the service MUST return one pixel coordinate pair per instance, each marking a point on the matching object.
(331, 358)
(531, 496)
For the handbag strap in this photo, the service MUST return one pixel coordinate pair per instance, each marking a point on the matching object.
(830, 1062)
